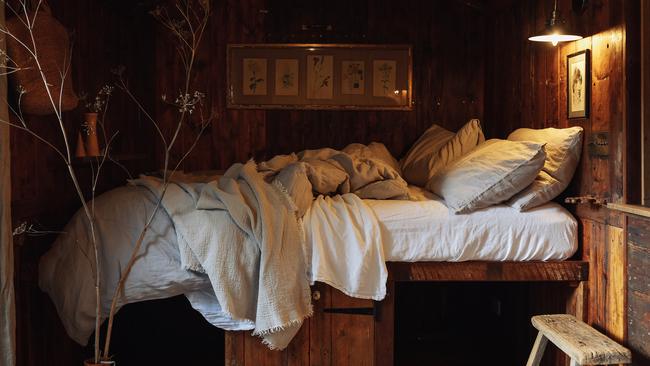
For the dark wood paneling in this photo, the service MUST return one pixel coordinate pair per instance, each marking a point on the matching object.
(638, 289)
(447, 39)
(105, 35)
(526, 87)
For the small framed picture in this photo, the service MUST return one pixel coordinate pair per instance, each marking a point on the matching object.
(286, 77)
(353, 78)
(254, 80)
(320, 72)
(383, 81)
(578, 84)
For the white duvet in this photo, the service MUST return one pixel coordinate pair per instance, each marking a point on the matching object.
(421, 230)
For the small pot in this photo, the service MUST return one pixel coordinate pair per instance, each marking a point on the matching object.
(91, 362)
(92, 145)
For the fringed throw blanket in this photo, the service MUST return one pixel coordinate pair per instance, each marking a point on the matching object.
(261, 276)
(245, 232)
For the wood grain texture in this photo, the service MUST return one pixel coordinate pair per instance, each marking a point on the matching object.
(489, 271)
(106, 34)
(638, 288)
(448, 75)
(385, 327)
(533, 74)
(528, 87)
(582, 343)
(353, 336)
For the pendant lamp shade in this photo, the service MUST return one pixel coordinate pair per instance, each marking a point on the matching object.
(555, 30)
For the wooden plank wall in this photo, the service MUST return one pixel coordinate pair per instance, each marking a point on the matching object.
(447, 39)
(105, 34)
(638, 293)
(526, 87)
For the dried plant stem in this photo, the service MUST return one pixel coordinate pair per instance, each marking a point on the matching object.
(188, 31)
(65, 154)
(187, 50)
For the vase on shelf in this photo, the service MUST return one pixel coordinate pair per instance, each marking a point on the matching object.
(92, 143)
(80, 152)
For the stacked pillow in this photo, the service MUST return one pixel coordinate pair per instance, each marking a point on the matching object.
(563, 148)
(527, 170)
(437, 148)
(489, 174)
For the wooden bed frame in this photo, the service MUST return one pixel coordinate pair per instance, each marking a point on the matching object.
(368, 340)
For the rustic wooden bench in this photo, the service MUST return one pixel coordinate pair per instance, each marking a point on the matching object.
(584, 344)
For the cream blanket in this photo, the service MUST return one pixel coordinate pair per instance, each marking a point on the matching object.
(245, 233)
(256, 266)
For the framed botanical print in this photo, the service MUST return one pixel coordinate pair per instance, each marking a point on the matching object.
(319, 76)
(578, 84)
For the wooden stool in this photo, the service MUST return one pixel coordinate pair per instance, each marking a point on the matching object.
(584, 344)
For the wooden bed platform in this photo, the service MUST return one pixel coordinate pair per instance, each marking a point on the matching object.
(489, 271)
(363, 330)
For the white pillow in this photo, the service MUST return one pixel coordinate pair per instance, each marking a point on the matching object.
(563, 148)
(490, 174)
(437, 148)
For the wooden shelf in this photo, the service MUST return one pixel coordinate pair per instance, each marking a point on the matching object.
(116, 157)
(630, 209)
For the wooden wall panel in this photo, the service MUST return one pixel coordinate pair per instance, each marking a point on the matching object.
(528, 88)
(638, 288)
(105, 34)
(447, 39)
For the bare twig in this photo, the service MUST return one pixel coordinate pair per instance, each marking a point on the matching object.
(186, 104)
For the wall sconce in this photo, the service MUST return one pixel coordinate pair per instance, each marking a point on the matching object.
(555, 30)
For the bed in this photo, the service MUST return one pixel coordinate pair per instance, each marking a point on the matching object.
(359, 226)
(422, 239)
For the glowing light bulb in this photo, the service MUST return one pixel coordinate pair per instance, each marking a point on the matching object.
(554, 42)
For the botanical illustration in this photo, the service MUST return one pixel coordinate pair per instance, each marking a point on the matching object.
(286, 77)
(353, 77)
(254, 76)
(384, 72)
(320, 70)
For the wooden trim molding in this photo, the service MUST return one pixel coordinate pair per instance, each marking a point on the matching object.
(630, 209)
(489, 271)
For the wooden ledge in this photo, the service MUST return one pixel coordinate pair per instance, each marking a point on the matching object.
(568, 271)
(630, 209)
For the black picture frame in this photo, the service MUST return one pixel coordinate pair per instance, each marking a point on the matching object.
(578, 68)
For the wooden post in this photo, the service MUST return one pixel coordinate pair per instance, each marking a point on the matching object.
(385, 327)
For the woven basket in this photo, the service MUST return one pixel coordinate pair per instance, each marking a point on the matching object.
(52, 46)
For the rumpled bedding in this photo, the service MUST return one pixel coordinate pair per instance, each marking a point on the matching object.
(244, 232)
(263, 276)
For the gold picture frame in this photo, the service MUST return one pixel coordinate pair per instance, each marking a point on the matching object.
(319, 76)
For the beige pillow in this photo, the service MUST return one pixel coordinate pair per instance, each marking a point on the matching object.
(490, 174)
(563, 148)
(437, 148)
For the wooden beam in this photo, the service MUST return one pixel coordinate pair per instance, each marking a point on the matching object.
(567, 271)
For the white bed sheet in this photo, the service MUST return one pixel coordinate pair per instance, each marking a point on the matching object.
(425, 230)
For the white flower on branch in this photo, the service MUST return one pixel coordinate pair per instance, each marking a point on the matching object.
(187, 102)
(97, 104)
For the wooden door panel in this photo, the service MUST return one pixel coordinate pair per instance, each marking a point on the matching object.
(352, 334)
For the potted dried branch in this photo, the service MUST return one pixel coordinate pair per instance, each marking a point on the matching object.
(94, 108)
(186, 22)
